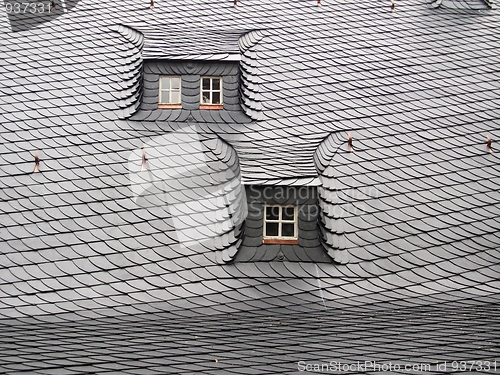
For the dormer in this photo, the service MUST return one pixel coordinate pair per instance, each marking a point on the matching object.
(192, 90)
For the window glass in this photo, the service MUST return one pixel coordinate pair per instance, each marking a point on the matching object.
(206, 84)
(164, 97)
(288, 213)
(288, 229)
(272, 229)
(175, 97)
(176, 83)
(272, 212)
(216, 84)
(216, 98)
(165, 83)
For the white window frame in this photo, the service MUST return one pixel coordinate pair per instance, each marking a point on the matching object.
(280, 221)
(211, 91)
(169, 90)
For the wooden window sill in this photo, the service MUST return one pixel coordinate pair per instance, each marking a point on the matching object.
(279, 241)
(169, 106)
(211, 106)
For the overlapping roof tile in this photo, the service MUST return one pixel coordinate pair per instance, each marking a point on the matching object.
(413, 212)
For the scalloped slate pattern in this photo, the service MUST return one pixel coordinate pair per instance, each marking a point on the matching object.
(417, 88)
(272, 342)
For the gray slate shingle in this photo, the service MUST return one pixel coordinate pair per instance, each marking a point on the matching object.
(414, 211)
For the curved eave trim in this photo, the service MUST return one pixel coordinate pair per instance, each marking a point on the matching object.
(202, 57)
(299, 181)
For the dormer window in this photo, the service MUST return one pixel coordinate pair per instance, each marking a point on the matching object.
(280, 225)
(170, 92)
(211, 93)
(191, 85)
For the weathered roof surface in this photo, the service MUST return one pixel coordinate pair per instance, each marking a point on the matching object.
(432, 339)
(417, 89)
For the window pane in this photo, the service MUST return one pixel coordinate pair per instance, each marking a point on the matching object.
(205, 84)
(165, 97)
(165, 83)
(205, 97)
(216, 98)
(288, 213)
(215, 83)
(287, 230)
(175, 97)
(175, 83)
(272, 213)
(271, 229)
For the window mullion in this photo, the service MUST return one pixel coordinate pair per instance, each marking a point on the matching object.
(279, 221)
(211, 90)
(295, 222)
(264, 233)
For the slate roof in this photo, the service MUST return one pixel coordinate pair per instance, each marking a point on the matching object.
(270, 342)
(411, 216)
